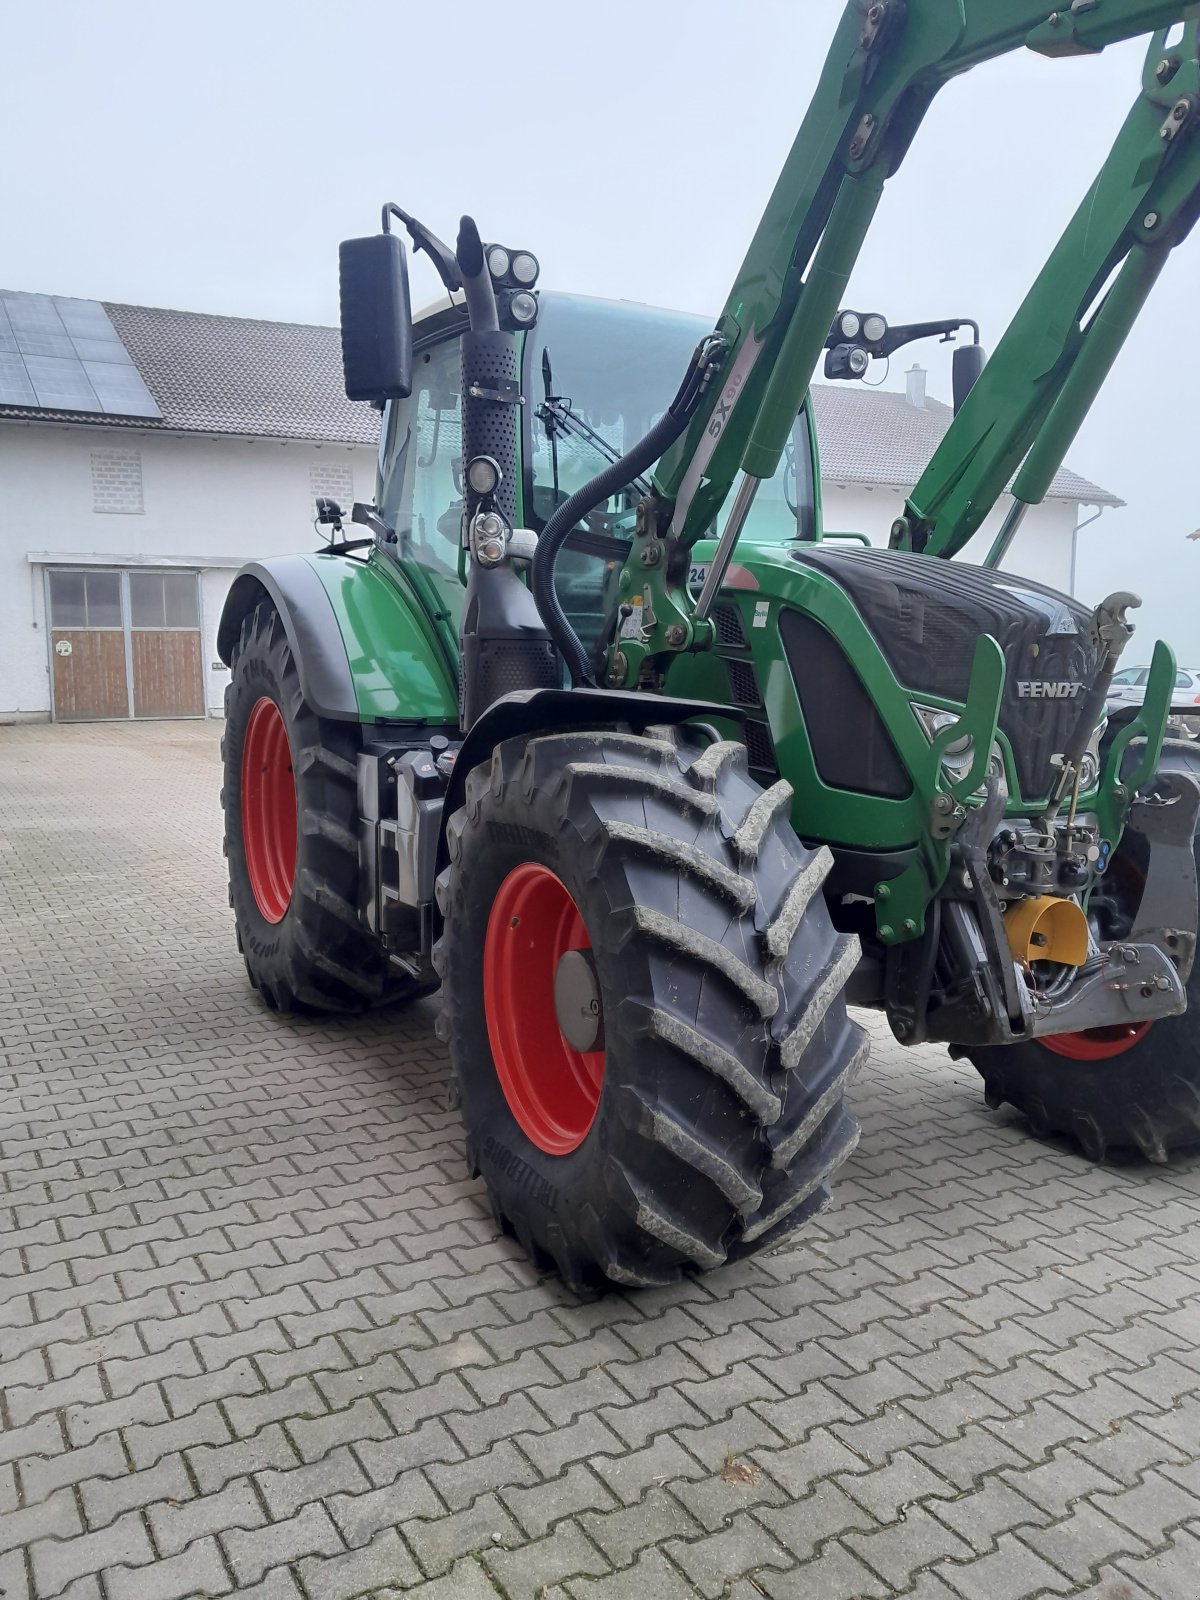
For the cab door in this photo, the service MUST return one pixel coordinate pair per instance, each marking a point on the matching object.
(420, 469)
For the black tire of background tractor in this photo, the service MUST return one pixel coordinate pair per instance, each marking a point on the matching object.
(320, 957)
(727, 1044)
(1147, 1099)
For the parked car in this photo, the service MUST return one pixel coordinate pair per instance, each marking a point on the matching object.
(1128, 690)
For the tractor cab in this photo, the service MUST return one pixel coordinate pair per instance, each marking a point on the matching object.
(594, 374)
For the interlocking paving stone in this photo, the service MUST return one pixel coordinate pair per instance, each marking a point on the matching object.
(258, 1334)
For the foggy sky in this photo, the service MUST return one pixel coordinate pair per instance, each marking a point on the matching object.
(211, 157)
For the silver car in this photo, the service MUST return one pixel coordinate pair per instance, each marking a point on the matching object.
(1128, 690)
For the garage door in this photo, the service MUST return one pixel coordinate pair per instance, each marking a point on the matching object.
(124, 644)
(164, 620)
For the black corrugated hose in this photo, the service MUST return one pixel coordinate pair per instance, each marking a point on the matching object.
(636, 461)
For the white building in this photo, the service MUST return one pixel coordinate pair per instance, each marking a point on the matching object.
(120, 533)
(874, 445)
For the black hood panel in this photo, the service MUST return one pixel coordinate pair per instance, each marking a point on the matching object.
(927, 614)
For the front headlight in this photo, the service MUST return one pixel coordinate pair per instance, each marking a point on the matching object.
(959, 753)
(1089, 766)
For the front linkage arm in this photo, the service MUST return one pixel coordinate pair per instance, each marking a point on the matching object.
(886, 64)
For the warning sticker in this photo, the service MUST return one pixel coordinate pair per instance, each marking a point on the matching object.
(631, 628)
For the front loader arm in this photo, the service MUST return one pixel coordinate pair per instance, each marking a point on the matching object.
(887, 62)
(1045, 373)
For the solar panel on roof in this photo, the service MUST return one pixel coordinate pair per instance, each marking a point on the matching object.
(45, 344)
(120, 389)
(32, 313)
(85, 319)
(15, 387)
(60, 354)
(102, 350)
(61, 383)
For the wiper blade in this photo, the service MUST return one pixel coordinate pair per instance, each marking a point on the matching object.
(556, 416)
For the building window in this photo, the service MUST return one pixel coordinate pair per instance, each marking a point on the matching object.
(85, 600)
(117, 481)
(334, 483)
(163, 600)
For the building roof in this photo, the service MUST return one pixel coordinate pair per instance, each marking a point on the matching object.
(283, 380)
(231, 375)
(875, 437)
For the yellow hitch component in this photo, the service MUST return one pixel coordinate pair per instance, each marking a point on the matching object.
(1047, 929)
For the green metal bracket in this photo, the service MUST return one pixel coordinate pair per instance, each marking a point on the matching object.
(661, 609)
(1117, 792)
(901, 904)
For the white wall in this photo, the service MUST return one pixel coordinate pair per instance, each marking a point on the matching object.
(237, 499)
(232, 499)
(1041, 550)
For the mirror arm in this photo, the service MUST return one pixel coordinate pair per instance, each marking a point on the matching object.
(423, 239)
(909, 333)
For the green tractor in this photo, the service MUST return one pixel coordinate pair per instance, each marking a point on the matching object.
(655, 790)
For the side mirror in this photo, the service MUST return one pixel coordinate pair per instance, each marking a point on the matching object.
(377, 330)
(969, 362)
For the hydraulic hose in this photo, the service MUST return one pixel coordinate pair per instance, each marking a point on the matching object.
(633, 464)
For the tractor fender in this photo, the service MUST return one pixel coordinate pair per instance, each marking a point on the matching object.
(309, 622)
(364, 649)
(557, 711)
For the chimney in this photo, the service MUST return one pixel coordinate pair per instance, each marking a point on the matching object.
(915, 379)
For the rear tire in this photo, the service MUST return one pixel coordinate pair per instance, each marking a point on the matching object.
(717, 1113)
(297, 914)
(1140, 1091)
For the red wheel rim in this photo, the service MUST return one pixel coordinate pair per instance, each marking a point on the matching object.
(552, 1089)
(269, 810)
(1097, 1044)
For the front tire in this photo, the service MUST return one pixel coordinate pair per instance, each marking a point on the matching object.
(1111, 1088)
(705, 1115)
(290, 799)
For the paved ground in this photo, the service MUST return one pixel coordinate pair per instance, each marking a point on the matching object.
(257, 1332)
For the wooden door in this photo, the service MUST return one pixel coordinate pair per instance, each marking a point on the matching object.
(87, 646)
(164, 632)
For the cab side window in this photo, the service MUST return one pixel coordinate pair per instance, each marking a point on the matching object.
(421, 463)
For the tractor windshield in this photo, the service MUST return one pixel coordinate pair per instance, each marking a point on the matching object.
(600, 374)
(596, 374)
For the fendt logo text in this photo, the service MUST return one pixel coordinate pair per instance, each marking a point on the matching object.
(1027, 690)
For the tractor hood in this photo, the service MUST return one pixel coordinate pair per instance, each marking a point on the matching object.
(926, 615)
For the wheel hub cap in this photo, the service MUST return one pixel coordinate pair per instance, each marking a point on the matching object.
(577, 1001)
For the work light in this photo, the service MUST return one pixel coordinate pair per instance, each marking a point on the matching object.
(522, 308)
(525, 269)
(483, 475)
